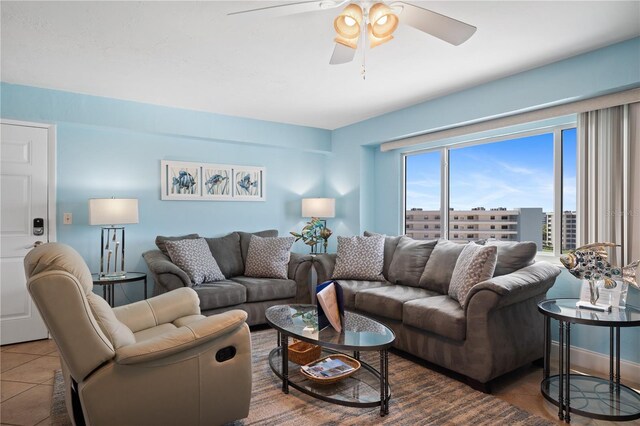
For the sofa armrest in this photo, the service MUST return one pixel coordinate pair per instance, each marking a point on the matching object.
(531, 281)
(162, 309)
(324, 265)
(165, 273)
(181, 339)
(300, 272)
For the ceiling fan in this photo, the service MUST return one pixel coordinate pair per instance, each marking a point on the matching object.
(374, 21)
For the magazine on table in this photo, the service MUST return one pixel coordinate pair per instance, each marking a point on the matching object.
(327, 368)
(330, 305)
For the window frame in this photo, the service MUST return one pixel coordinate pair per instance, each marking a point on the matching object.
(445, 178)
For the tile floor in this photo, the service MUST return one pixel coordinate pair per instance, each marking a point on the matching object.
(28, 368)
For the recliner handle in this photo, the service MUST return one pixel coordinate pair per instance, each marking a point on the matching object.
(226, 353)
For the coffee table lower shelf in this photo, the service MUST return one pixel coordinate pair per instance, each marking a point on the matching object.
(362, 389)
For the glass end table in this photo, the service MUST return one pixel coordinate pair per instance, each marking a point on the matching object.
(589, 396)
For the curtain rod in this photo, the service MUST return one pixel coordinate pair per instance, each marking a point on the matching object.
(599, 102)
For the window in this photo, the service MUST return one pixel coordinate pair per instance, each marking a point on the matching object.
(512, 176)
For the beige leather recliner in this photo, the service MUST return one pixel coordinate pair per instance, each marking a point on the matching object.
(153, 362)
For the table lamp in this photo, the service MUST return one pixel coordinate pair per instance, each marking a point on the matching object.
(110, 212)
(320, 208)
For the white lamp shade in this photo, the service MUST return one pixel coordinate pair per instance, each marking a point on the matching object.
(113, 211)
(318, 207)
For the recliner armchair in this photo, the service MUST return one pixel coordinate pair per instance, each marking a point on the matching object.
(153, 362)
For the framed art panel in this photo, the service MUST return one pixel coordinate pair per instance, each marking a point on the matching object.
(217, 182)
(181, 180)
(248, 183)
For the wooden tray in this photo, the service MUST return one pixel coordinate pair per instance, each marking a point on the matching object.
(328, 380)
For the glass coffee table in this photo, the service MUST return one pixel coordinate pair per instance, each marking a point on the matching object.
(367, 387)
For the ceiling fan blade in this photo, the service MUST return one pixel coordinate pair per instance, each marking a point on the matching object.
(342, 54)
(291, 8)
(440, 26)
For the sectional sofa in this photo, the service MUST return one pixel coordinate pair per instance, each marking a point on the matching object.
(236, 291)
(497, 331)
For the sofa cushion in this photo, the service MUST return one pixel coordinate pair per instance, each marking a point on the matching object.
(245, 240)
(351, 287)
(268, 257)
(387, 301)
(220, 294)
(409, 261)
(360, 258)
(160, 241)
(438, 314)
(194, 257)
(226, 251)
(513, 255)
(390, 244)
(262, 289)
(439, 268)
(475, 264)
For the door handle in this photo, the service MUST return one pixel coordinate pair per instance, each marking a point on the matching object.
(36, 244)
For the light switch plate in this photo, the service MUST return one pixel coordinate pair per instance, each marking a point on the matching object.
(67, 219)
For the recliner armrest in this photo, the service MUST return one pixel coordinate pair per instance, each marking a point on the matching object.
(157, 310)
(523, 284)
(324, 264)
(164, 271)
(181, 339)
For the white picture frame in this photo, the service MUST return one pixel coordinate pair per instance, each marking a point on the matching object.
(190, 181)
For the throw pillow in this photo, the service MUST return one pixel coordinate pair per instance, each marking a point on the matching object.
(437, 273)
(268, 257)
(513, 255)
(226, 251)
(360, 258)
(245, 240)
(194, 257)
(409, 260)
(160, 241)
(390, 244)
(475, 264)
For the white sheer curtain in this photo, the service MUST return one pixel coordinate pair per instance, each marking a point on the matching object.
(609, 180)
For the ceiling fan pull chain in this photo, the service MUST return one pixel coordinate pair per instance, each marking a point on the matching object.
(364, 55)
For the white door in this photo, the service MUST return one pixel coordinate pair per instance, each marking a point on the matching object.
(24, 190)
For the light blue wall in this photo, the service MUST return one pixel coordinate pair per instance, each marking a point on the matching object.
(599, 72)
(108, 147)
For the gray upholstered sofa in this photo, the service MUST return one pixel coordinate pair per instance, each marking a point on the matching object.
(252, 295)
(498, 331)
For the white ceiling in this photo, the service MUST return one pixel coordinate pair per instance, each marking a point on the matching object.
(191, 55)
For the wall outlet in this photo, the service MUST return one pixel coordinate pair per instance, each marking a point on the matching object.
(67, 218)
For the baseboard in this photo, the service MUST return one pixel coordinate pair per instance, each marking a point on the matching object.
(596, 362)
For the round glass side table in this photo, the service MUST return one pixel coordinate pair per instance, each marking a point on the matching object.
(589, 396)
(108, 284)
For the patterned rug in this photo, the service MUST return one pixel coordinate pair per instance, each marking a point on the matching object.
(419, 396)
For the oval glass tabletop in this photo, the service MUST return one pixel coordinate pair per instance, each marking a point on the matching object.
(359, 333)
(566, 310)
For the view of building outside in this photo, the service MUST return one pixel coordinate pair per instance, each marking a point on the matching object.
(502, 190)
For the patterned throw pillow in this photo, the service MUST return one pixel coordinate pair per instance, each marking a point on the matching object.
(194, 257)
(360, 258)
(475, 264)
(268, 257)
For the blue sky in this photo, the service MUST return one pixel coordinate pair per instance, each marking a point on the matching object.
(513, 173)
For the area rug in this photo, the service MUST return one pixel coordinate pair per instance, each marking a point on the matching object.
(419, 396)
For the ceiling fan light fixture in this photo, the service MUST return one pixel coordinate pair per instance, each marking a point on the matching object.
(347, 24)
(376, 41)
(382, 20)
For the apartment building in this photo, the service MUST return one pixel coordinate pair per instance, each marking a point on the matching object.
(520, 224)
(568, 230)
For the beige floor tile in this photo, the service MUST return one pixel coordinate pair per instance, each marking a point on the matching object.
(45, 422)
(28, 408)
(37, 347)
(37, 371)
(11, 389)
(9, 360)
